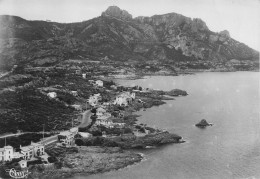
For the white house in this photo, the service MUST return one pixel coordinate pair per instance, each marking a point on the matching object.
(33, 150)
(100, 111)
(132, 95)
(99, 83)
(74, 93)
(18, 155)
(52, 94)
(124, 98)
(38, 149)
(27, 152)
(113, 87)
(119, 125)
(6, 153)
(91, 81)
(105, 104)
(84, 75)
(77, 107)
(85, 134)
(74, 130)
(67, 137)
(121, 101)
(104, 121)
(93, 99)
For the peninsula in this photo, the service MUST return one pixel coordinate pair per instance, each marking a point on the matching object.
(62, 114)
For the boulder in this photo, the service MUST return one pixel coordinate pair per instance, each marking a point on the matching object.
(224, 33)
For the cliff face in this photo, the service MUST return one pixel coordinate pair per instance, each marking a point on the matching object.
(165, 38)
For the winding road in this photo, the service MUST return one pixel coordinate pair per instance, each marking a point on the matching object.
(86, 120)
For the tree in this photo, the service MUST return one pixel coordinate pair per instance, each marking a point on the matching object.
(52, 159)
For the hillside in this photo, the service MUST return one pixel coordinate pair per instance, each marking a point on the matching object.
(166, 39)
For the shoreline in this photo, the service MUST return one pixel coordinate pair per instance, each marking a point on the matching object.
(113, 152)
(187, 72)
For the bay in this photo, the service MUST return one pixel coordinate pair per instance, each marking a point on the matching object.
(228, 149)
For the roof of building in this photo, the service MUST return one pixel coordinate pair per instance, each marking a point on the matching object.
(104, 117)
(85, 134)
(52, 93)
(22, 161)
(36, 144)
(2, 149)
(100, 109)
(65, 133)
(74, 129)
(8, 147)
(26, 148)
(125, 95)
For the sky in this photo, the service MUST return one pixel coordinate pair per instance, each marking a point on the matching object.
(240, 17)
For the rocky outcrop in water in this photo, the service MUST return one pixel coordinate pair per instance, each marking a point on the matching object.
(176, 92)
(203, 123)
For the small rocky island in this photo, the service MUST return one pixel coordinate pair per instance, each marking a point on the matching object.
(203, 123)
(176, 92)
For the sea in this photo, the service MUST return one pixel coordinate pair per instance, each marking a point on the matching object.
(230, 149)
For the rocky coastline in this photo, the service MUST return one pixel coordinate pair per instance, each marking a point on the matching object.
(100, 154)
(85, 161)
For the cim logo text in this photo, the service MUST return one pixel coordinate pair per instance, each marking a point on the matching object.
(17, 174)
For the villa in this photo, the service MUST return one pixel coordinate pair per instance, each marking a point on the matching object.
(99, 83)
(93, 100)
(33, 150)
(100, 111)
(104, 121)
(124, 98)
(27, 152)
(52, 94)
(6, 153)
(74, 93)
(67, 137)
(38, 149)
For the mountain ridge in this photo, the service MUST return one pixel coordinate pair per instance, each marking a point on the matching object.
(166, 38)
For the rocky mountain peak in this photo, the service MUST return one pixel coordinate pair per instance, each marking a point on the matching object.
(198, 24)
(116, 12)
(224, 33)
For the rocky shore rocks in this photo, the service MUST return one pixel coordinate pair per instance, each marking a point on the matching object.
(203, 123)
(176, 92)
(130, 141)
(86, 161)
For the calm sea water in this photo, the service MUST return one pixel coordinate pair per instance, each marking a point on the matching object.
(228, 149)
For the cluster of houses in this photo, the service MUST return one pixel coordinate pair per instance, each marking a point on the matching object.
(102, 116)
(26, 153)
(7, 153)
(124, 99)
